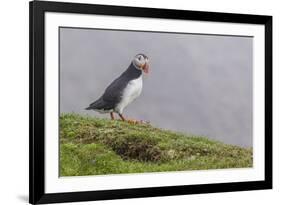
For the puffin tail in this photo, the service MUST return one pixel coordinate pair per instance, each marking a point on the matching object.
(95, 105)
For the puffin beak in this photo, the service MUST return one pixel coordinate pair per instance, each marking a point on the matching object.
(146, 68)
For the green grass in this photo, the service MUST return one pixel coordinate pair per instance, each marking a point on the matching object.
(93, 146)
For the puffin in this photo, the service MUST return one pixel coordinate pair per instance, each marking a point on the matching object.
(123, 90)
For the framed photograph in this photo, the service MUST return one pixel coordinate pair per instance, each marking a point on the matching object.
(140, 102)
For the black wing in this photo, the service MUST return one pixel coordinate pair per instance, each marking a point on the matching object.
(113, 93)
(110, 98)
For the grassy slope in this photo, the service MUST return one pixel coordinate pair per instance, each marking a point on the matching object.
(91, 146)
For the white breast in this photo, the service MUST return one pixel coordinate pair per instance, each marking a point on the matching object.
(130, 93)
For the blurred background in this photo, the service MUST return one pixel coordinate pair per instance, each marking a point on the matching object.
(198, 84)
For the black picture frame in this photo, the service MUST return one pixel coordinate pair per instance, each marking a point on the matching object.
(37, 10)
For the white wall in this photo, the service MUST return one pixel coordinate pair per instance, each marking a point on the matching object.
(14, 100)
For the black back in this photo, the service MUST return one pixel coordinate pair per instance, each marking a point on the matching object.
(113, 93)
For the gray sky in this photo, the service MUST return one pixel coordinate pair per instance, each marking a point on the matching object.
(199, 84)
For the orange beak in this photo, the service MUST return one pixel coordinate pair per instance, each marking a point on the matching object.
(145, 68)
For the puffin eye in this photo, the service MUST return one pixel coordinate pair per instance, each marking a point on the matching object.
(139, 57)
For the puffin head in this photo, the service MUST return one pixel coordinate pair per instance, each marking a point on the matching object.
(141, 62)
